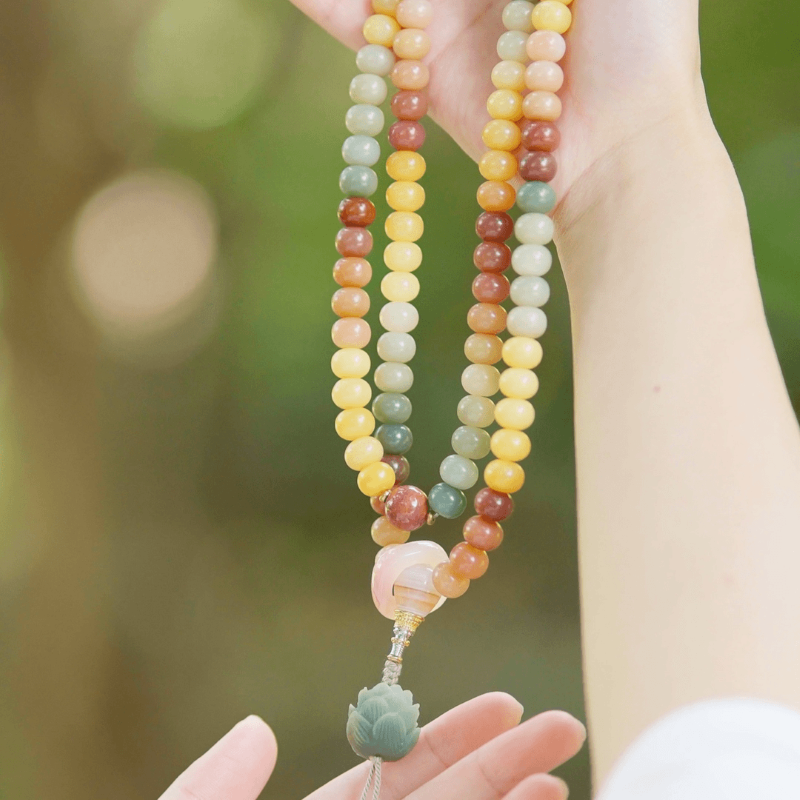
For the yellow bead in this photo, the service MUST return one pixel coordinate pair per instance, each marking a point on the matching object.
(384, 533)
(404, 226)
(399, 287)
(405, 165)
(504, 476)
(509, 75)
(510, 445)
(402, 256)
(550, 15)
(351, 393)
(513, 413)
(349, 362)
(498, 165)
(523, 352)
(385, 7)
(376, 479)
(505, 104)
(353, 423)
(360, 453)
(405, 196)
(519, 383)
(381, 29)
(501, 134)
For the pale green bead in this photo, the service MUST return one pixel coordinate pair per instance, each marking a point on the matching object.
(394, 377)
(511, 47)
(536, 196)
(364, 119)
(361, 150)
(534, 228)
(459, 472)
(530, 290)
(470, 442)
(527, 321)
(475, 411)
(397, 347)
(357, 181)
(531, 259)
(366, 88)
(375, 59)
(392, 408)
(517, 16)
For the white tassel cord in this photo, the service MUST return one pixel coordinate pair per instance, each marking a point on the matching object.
(374, 776)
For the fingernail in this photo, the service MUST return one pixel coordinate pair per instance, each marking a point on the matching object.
(564, 788)
(521, 709)
(583, 728)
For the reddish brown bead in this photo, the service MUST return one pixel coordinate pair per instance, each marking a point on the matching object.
(487, 318)
(483, 533)
(469, 561)
(352, 272)
(400, 465)
(539, 135)
(406, 135)
(538, 166)
(377, 505)
(354, 242)
(356, 212)
(410, 105)
(407, 507)
(490, 287)
(493, 505)
(494, 227)
(492, 256)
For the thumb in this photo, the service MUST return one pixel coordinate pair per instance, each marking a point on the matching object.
(237, 767)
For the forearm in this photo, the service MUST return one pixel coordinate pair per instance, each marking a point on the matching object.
(688, 452)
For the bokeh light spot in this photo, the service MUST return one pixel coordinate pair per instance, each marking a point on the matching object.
(143, 255)
(200, 63)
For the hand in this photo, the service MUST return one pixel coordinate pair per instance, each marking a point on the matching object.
(629, 66)
(477, 751)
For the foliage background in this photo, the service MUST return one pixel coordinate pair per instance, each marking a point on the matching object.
(180, 542)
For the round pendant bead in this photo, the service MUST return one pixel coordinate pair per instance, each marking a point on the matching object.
(407, 507)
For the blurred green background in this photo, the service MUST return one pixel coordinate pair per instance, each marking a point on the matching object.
(180, 541)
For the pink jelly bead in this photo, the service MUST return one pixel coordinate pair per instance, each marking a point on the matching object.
(546, 46)
(407, 507)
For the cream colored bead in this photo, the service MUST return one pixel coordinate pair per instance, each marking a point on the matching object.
(509, 75)
(404, 226)
(522, 352)
(481, 379)
(402, 256)
(350, 363)
(381, 29)
(351, 393)
(510, 445)
(376, 479)
(513, 413)
(519, 383)
(354, 423)
(405, 196)
(399, 287)
(505, 104)
(360, 453)
(544, 76)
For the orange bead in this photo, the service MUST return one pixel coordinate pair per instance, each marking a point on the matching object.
(384, 533)
(350, 302)
(496, 196)
(448, 582)
(351, 332)
(468, 561)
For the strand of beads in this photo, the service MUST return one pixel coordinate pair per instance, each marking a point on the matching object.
(487, 318)
(406, 509)
(358, 182)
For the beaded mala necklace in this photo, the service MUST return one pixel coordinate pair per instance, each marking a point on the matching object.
(411, 579)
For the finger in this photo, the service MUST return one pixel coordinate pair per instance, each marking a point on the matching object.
(442, 743)
(539, 745)
(237, 767)
(539, 787)
(342, 20)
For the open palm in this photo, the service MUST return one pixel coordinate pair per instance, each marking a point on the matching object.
(477, 751)
(629, 65)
